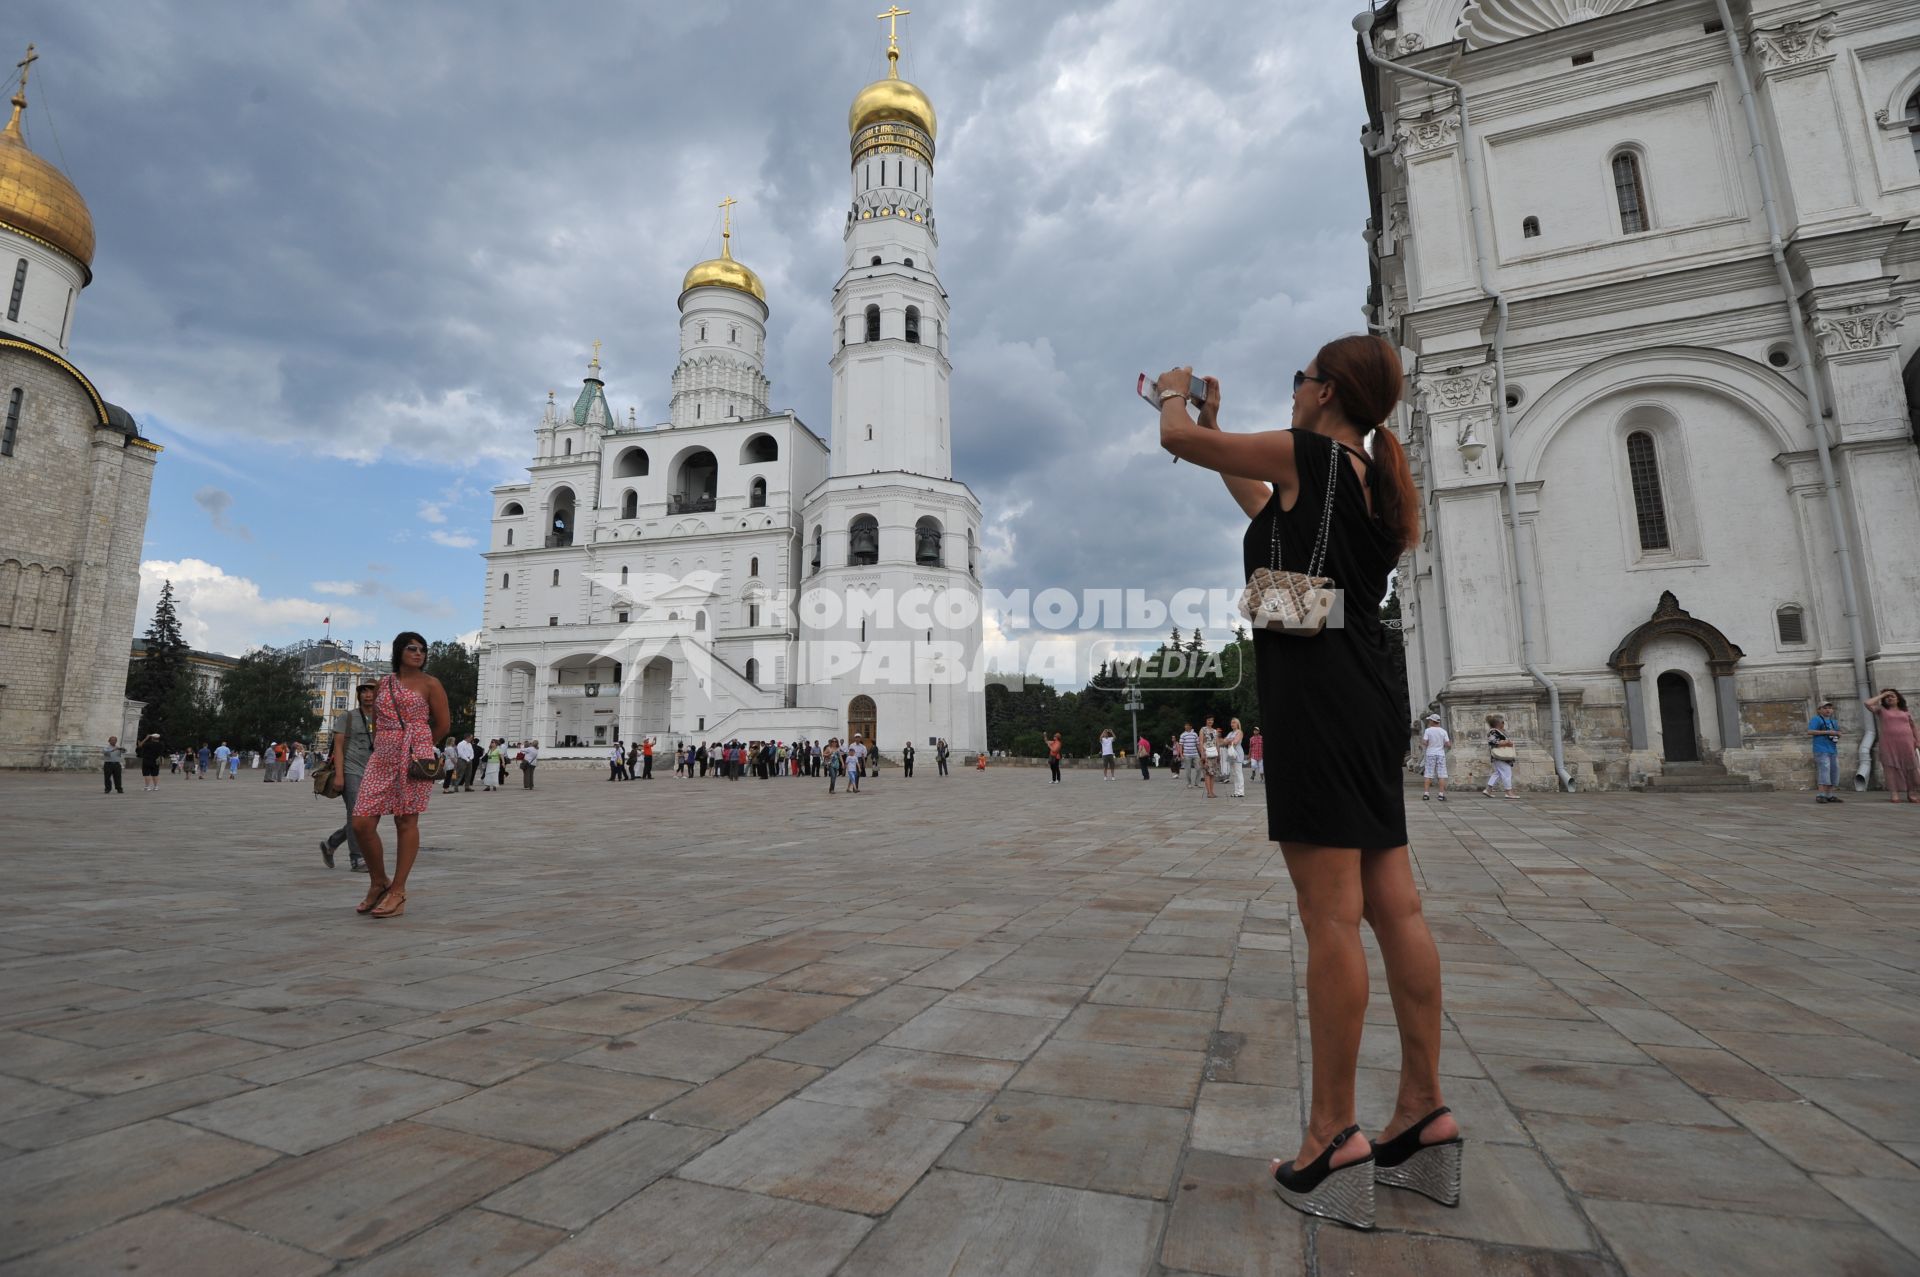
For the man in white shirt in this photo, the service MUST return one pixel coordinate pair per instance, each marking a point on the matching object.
(464, 752)
(1434, 764)
(859, 752)
(1190, 755)
(529, 757)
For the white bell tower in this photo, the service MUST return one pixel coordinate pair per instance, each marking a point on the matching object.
(891, 518)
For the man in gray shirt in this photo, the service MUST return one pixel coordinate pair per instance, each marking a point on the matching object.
(352, 747)
(112, 764)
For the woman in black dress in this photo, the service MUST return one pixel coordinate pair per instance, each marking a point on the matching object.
(1340, 818)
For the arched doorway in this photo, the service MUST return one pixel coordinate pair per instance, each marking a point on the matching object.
(656, 697)
(1669, 619)
(862, 720)
(1679, 732)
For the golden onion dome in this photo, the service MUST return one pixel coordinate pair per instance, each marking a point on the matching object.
(724, 272)
(892, 99)
(37, 200)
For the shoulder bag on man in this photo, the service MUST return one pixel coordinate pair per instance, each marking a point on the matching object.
(1295, 603)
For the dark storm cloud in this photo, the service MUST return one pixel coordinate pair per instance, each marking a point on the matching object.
(386, 230)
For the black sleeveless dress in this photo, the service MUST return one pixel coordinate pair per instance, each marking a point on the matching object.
(1329, 706)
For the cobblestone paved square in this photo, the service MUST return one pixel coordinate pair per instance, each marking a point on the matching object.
(979, 1025)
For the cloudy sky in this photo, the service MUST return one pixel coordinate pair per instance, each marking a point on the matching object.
(345, 249)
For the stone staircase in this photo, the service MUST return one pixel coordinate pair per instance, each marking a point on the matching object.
(1702, 778)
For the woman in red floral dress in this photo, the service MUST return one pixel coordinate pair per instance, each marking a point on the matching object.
(410, 714)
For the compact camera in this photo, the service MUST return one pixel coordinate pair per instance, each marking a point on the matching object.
(1150, 391)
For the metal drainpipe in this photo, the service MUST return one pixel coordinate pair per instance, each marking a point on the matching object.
(1523, 570)
(1810, 385)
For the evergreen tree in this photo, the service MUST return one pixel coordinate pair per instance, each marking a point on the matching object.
(266, 698)
(1194, 644)
(457, 666)
(161, 677)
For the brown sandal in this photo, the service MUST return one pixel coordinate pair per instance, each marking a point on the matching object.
(373, 898)
(392, 904)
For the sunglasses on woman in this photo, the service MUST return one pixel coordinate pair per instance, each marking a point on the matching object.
(1302, 378)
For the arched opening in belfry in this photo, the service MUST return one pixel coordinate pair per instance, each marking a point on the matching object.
(696, 483)
(863, 541)
(560, 507)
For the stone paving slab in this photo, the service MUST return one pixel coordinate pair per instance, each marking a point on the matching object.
(984, 1025)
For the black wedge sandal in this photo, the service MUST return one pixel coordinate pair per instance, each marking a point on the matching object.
(1343, 1194)
(1432, 1170)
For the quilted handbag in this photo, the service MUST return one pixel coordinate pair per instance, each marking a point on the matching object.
(1295, 603)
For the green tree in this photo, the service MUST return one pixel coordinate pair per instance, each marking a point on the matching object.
(266, 698)
(161, 677)
(457, 666)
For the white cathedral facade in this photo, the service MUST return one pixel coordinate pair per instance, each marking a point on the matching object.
(1667, 474)
(729, 574)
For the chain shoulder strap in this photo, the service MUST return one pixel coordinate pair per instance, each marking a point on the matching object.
(1326, 517)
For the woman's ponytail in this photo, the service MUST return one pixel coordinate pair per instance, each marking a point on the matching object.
(1366, 375)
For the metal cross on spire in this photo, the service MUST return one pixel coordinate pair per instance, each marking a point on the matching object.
(596, 355)
(726, 225)
(892, 18)
(20, 94)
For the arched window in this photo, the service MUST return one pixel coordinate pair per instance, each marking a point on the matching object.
(753, 566)
(12, 428)
(758, 450)
(632, 464)
(1791, 624)
(556, 576)
(863, 541)
(1913, 121)
(753, 672)
(1630, 192)
(19, 289)
(873, 323)
(703, 332)
(509, 536)
(1649, 503)
(1530, 228)
(910, 260)
(630, 505)
(623, 576)
(816, 548)
(927, 550)
(913, 324)
(757, 493)
(699, 621)
(513, 508)
(733, 335)
(972, 561)
(505, 577)
(874, 262)
(753, 615)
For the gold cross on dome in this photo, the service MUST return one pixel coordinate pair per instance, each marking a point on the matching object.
(24, 64)
(596, 352)
(892, 18)
(726, 214)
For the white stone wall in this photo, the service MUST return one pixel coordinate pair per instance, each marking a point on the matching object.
(1681, 331)
(51, 295)
(71, 528)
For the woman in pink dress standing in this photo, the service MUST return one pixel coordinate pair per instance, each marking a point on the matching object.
(1897, 763)
(410, 714)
